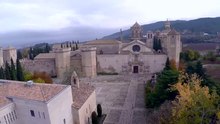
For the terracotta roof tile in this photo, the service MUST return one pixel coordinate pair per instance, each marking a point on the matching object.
(39, 92)
(81, 94)
(99, 42)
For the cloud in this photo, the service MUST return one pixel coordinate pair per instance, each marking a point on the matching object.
(92, 16)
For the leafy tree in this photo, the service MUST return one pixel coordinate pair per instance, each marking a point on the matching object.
(210, 56)
(189, 55)
(13, 71)
(2, 74)
(19, 71)
(39, 80)
(42, 75)
(7, 71)
(173, 64)
(28, 76)
(160, 93)
(194, 104)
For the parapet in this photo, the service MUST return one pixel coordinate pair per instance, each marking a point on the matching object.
(87, 49)
(61, 50)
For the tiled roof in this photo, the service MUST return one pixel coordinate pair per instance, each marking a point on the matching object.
(39, 92)
(105, 42)
(81, 94)
(136, 25)
(173, 32)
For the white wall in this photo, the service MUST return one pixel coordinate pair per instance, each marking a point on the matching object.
(8, 113)
(87, 108)
(59, 107)
(23, 107)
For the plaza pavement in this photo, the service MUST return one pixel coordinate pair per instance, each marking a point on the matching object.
(121, 97)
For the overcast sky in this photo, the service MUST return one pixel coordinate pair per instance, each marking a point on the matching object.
(47, 15)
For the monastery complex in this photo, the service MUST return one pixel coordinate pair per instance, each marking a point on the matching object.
(112, 56)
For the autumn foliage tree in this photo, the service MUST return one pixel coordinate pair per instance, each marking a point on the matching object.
(42, 76)
(194, 104)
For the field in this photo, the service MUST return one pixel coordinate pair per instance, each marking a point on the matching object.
(213, 70)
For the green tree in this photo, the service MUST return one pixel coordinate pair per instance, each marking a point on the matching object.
(2, 74)
(47, 48)
(19, 71)
(19, 55)
(167, 65)
(7, 71)
(39, 80)
(13, 71)
(28, 76)
(160, 93)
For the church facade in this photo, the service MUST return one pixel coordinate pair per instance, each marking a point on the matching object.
(140, 55)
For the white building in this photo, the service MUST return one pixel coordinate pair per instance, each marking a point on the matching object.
(26, 103)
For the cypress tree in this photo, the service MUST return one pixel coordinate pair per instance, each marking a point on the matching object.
(167, 65)
(159, 45)
(19, 72)
(47, 48)
(2, 74)
(19, 55)
(7, 71)
(13, 71)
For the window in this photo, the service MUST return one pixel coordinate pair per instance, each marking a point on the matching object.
(32, 113)
(43, 115)
(39, 114)
(136, 48)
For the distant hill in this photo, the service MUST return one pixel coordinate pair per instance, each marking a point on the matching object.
(208, 25)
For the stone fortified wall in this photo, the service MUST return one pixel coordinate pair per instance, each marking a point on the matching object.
(47, 66)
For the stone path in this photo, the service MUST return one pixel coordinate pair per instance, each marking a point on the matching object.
(122, 98)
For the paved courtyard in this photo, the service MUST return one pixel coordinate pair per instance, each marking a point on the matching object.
(122, 98)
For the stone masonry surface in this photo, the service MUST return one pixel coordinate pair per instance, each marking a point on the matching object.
(121, 97)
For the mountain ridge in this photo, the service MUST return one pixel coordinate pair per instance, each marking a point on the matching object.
(208, 25)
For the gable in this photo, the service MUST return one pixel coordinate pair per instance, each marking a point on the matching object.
(136, 46)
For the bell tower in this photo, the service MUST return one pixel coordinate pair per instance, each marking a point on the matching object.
(167, 25)
(136, 32)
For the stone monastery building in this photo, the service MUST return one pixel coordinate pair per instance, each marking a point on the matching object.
(112, 56)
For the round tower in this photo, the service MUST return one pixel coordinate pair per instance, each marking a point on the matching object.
(89, 61)
(62, 60)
